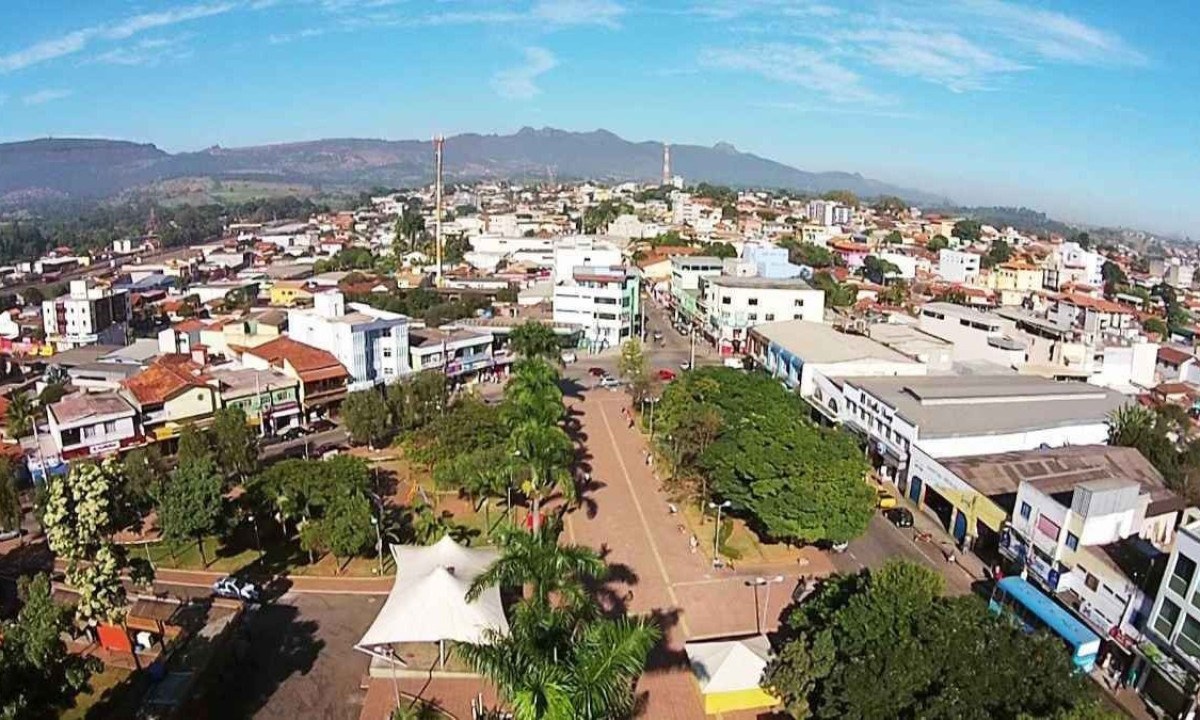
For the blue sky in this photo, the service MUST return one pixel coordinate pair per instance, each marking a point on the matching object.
(1086, 109)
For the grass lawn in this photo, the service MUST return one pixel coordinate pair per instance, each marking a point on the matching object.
(278, 557)
(746, 546)
(105, 693)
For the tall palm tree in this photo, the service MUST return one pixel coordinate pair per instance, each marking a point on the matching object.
(558, 665)
(536, 561)
(546, 452)
(533, 393)
(536, 340)
(20, 414)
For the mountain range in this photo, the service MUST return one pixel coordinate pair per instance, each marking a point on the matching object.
(48, 169)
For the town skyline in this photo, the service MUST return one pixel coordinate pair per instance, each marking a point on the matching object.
(908, 95)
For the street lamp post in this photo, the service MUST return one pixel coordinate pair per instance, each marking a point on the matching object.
(756, 582)
(390, 653)
(257, 539)
(717, 534)
(378, 544)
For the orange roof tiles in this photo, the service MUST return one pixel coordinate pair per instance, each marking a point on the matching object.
(1097, 304)
(168, 376)
(311, 363)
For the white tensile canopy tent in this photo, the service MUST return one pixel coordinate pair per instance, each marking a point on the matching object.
(729, 672)
(428, 601)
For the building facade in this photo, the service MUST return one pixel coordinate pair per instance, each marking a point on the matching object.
(733, 305)
(372, 344)
(88, 314)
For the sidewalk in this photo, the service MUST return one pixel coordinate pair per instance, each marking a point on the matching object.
(299, 584)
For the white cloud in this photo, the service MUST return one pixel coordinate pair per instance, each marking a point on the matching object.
(41, 97)
(733, 9)
(1052, 35)
(945, 58)
(78, 40)
(305, 34)
(795, 65)
(148, 52)
(566, 13)
(520, 83)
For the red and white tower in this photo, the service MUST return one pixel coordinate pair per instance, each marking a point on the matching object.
(438, 143)
(666, 178)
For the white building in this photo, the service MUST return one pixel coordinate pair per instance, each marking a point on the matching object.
(733, 305)
(828, 213)
(955, 266)
(371, 343)
(603, 301)
(1170, 682)
(1071, 264)
(976, 336)
(91, 424)
(957, 415)
(1179, 274)
(575, 251)
(87, 314)
(457, 353)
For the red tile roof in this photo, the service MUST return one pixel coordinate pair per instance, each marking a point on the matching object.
(1097, 304)
(311, 363)
(1173, 356)
(167, 377)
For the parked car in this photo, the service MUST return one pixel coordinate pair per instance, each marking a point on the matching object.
(884, 500)
(9, 534)
(608, 381)
(658, 336)
(568, 357)
(597, 371)
(236, 589)
(327, 450)
(900, 517)
(294, 433)
(321, 425)
(666, 375)
(685, 365)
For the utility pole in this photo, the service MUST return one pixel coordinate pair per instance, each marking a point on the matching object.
(439, 143)
(692, 357)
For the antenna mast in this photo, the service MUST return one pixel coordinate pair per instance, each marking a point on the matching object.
(438, 144)
(666, 179)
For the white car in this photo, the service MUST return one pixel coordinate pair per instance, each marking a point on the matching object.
(608, 381)
(568, 358)
(235, 589)
(685, 365)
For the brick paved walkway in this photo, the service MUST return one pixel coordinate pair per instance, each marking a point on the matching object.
(630, 517)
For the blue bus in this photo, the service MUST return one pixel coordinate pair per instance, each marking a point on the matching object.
(1017, 599)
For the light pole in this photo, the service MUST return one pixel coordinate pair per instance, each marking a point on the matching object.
(692, 356)
(390, 653)
(756, 583)
(716, 561)
(257, 539)
(378, 544)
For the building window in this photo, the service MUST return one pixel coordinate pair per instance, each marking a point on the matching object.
(110, 427)
(1189, 637)
(770, 317)
(752, 317)
(1072, 541)
(752, 302)
(1181, 578)
(1091, 582)
(1026, 510)
(798, 303)
(726, 300)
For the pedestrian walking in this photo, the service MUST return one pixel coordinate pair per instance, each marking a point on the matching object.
(695, 544)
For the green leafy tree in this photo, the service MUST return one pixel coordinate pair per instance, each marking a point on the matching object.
(537, 563)
(937, 243)
(532, 339)
(52, 393)
(555, 664)
(999, 252)
(347, 521)
(890, 205)
(955, 295)
(633, 368)
(482, 473)
(235, 443)
(190, 503)
(894, 238)
(143, 470)
(78, 518)
(1114, 278)
(836, 294)
(11, 513)
(194, 447)
(809, 254)
(367, 417)
(878, 270)
(844, 197)
(888, 644)
(968, 231)
(721, 250)
(38, 677)
(1155, 325)
(20, 414)
(533, 394)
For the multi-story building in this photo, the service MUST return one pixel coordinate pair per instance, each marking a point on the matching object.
(1168, 672)
(955, 266)
(269, 398)
(371, 343)
(1179, 274)
(770, 261)
(975, 335)
(1093, 318)
(1071, 264)
(575, 251)
(686, 274)
(733, 305)
(323, 379)
(1016, 277)
(827, 213)
(92, 425)
(603, 301)
(459, 353)
(170, 393)
(88, 314)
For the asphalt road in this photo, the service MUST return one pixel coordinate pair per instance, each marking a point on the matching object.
(884, 541)
(297, 447)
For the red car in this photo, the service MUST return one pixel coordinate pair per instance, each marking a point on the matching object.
(666, 375)
(597, 372)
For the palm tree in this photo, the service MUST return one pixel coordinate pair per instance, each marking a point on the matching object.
(537, 562)
(546, 452)
(533, 339)
(557, 665)
(20, 414)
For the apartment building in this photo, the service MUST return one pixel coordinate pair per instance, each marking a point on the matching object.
(686, 274)
(733, 305)
(603, 301)
(1070, 264)
(88, 314)
(372, 344)
(828, 213)
(955, 266)
(1168, 677)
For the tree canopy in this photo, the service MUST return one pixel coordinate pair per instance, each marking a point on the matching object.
(968, 231)
(886, 644)
(532, 339)
(793, 480)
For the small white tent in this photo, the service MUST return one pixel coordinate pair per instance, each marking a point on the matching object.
(428, 602)
(729, 673)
